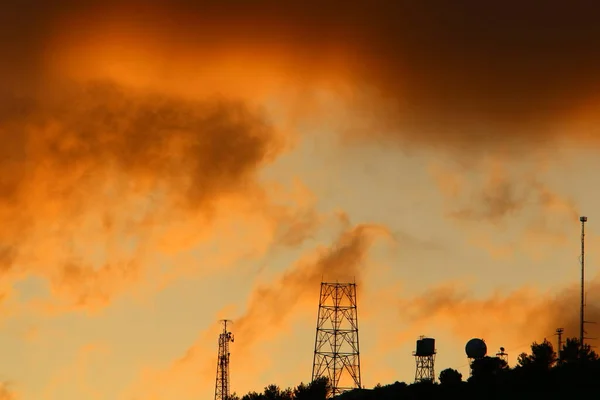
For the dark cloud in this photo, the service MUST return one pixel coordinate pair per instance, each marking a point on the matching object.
(517, 316)
(496, 200)
(466, 74)
(462, 72)
(84, 152)
(458, 73)
(564, 310)
(201, 148)
(503, 194)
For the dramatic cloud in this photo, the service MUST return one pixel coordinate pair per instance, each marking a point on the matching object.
(133, 132)
(461, 74)
(457, 75)
(451, 307)
(505, 318)
(90, 174)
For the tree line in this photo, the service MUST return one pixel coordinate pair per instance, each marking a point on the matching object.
(571, 373)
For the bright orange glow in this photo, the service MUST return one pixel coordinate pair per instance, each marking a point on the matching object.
(166, 164)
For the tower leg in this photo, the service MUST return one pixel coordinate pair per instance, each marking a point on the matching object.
(425, 368)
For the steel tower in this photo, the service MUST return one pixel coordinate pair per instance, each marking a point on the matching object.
(222, 385)
(337, 354)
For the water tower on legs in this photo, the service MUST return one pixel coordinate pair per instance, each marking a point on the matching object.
(425, 359)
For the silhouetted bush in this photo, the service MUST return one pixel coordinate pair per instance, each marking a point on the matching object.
(450, 376)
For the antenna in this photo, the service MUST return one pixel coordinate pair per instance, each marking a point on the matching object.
(222, 384)
(582, 320)
(559, 332)
(503, 355)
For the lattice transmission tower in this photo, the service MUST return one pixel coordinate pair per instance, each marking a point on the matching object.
(337, 354)
(222, 385)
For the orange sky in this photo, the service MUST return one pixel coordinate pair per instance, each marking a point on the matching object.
(167, 165)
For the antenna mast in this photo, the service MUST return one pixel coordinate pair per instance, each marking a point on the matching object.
(559, 332)
(581, 312)
(222, 384)
(503, 355)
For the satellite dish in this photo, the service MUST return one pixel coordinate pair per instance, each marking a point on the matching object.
(476, 348)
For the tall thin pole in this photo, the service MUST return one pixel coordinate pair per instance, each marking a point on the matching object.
(582, 306)
(559, 332)
(336, 329)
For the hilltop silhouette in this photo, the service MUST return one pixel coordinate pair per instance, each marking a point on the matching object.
(540, 374)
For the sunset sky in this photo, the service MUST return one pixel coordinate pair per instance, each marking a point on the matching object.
(166, 164)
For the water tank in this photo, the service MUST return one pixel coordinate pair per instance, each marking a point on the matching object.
(425, 347)
(476, 348)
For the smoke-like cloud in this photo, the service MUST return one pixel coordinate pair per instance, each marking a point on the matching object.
(92, 174)
(270, 305)
(99, 180)
(520, 316)
(461, 75)
(511, 197)
(502, 197)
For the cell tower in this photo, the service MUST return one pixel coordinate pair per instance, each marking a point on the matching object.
(337, 354)
(222, 385)
(425, 359)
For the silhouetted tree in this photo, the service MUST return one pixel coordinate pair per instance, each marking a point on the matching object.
(572, 352)
(253, 396)
(450, 376)
(287, 394)
(542, 356)
(318, 389)
(273, 392)
(487, 369)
